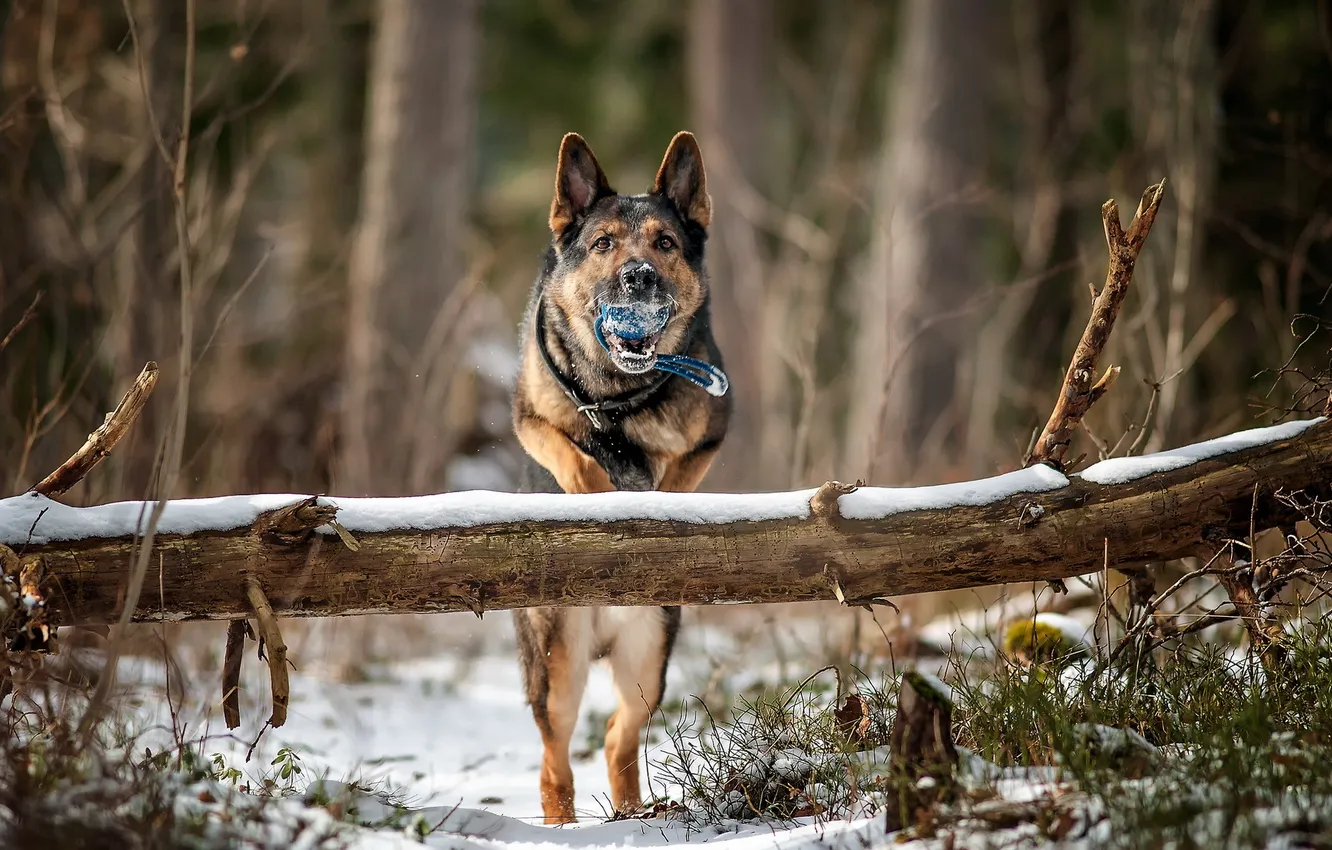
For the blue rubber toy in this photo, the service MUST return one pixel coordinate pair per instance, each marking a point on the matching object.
(635, 322)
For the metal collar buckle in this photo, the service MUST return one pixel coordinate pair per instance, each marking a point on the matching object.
(592, 411)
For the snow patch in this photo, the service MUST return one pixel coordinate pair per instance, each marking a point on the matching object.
(939, 686)
(880, 502)
(35, 519)
(1122, 470)
(50, 521)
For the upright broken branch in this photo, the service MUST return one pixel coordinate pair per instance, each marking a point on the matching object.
(1079, 392)
(100, 442)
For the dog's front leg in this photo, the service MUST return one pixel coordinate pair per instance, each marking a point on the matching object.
(573, 468)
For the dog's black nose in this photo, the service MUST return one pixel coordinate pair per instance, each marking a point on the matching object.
(637, 275)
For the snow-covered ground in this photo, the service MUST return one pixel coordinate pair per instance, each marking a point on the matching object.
(449, 729)
(446, 734)
(450, 736)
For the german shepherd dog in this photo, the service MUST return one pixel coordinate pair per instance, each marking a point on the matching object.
(598, 408)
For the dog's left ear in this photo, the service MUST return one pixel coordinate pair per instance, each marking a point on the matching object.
(681, 179)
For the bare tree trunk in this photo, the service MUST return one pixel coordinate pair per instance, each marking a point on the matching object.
(408, 250)
(729, 55)
(1172, 53)
(145, 317)
(1035, 315)
(925, 257)
(279, 413)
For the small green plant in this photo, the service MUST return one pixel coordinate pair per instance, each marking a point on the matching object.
(288, 772)
(223, 772)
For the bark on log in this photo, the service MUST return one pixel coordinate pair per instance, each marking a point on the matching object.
(1026, 537)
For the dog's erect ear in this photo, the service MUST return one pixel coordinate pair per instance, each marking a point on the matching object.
(681, 179)
(579, 182)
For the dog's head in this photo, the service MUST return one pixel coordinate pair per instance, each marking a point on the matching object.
(635, 261)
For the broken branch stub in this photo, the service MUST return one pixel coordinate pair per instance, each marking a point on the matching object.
(237, 630)
(921, 739)
(921, 749)
(101, 441)
(295, 524)
(824, 503)
(271, 636)
(1078, 393)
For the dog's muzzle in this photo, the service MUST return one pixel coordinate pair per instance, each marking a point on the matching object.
(630, 330)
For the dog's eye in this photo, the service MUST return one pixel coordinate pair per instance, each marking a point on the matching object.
(602, 243)
(665, 243)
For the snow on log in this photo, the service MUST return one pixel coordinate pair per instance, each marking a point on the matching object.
(482, 551)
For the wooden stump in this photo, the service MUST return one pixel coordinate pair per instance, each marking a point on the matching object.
(923, 756)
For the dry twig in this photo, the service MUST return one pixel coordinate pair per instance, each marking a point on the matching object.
(172, 451)
(277, 651)
(1265, 632)
(27, 316)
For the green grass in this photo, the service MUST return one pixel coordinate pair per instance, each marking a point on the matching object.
(1246, 748)
(1242, 752)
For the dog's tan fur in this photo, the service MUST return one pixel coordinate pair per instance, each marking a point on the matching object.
(668, 444)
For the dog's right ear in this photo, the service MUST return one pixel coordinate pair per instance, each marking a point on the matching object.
(579, 183)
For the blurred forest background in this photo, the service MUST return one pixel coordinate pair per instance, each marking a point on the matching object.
(908, 217)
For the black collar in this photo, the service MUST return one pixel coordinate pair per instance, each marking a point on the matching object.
(613, 407)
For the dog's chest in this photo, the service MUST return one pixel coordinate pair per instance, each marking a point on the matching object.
(625, 461)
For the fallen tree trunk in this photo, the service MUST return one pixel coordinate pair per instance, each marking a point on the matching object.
(482, 551)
